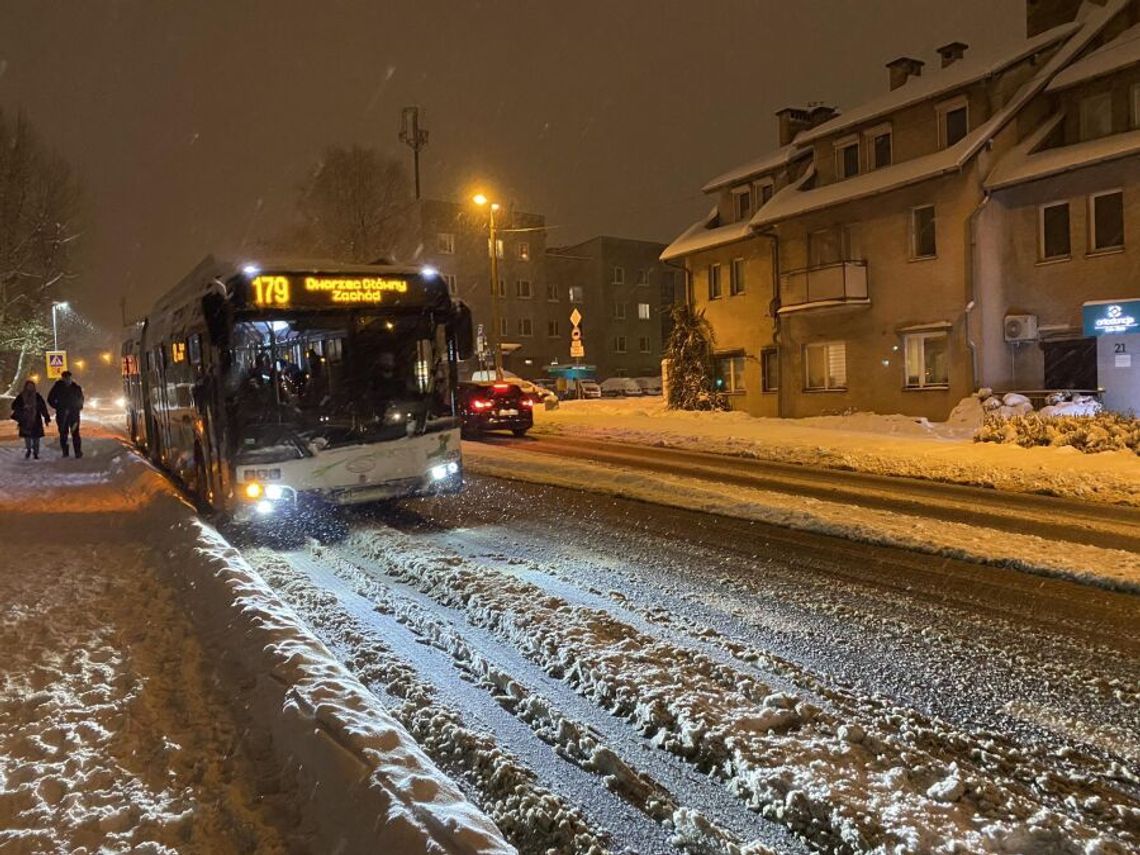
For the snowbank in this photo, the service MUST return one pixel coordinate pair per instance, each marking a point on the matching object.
(865, 442)
(366, 785)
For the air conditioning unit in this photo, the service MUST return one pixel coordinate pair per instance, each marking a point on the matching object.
(1021, 327)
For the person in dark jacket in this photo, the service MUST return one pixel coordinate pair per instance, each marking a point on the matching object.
(31, 414)
(66, 398)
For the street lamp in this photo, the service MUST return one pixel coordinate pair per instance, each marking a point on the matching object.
(62, 304)
(481, 200)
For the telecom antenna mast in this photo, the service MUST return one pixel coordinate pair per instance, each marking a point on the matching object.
(415, 137)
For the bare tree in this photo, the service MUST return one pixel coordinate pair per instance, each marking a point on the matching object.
(39, 205)
(355, 205)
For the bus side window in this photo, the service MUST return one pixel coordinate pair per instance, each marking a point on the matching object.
(194, 347)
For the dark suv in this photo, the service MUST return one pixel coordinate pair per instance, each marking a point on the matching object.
(495, 406)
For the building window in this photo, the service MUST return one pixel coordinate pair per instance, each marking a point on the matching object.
(730, 373)
(927, 360)
(642, 276)
(574, 294)
(502, 288)
(1096, 116)
(502, 327)
(1054, 228)
(525, 327)
(522, 289)
(619, 344)
(922, 239)
(764, 192)
(714, 281)
(445, 242)
(619, 311)
(881, 150)
(953, 121)
(825, 366)
(498, 247)
(551, 292)
(1106, 221)
(618, 277)
(552, 329)
(452, 284)
(643, 311)
(770, 369)
(736, 277)
(847, 158)
(643, 344)
(825, 247)
(1135, 105)
(742, 203)
(524, 251)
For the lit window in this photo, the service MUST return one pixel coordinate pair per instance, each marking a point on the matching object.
(525, 328)
(1106, 221)
(643, 344)
(524, 251)
(1096, 116)
(619, 311)
(922, 234)
(927, 360)
(575, 294)
(736, 277)
(178, 351)
(825, 366)
(1054, 228)
(730, 373)
(714, 281)
(618, 276)
(742, 204)
(770, 369)
(522, 289)
(498, 247)
(619, 344)
(643, 311)
(445, 242)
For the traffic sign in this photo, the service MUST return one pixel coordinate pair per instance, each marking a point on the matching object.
(575, 317)
(577, 351)
(56, 363)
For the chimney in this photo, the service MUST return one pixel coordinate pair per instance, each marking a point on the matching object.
(792, 120)
(902, 69)
(821, 113)
(952, 52)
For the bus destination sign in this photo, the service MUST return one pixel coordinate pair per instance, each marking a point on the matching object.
(284, 292)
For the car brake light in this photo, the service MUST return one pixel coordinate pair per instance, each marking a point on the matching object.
(481, 405)
(501, 387)
(527, 402)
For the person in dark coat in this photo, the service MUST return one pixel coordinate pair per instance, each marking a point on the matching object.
(31, 414)
(66, 398)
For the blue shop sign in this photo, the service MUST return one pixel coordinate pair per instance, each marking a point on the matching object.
(1108, 317)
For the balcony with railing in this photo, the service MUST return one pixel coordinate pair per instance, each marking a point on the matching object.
(842, 283)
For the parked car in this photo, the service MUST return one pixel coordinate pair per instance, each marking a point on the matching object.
(487, 406)
(587, 389)
(649, 385)
(618, 387)
(537, 393)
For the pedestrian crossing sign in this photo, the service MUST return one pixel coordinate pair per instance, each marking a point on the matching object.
(56, 363)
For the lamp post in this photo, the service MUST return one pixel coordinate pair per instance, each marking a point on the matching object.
(55, 326)
(497, 344)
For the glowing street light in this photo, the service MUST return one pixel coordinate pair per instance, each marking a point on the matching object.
(106, 357)
(81, 364)
(61, 304)
(482, 201)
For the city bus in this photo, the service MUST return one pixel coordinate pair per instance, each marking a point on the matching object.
(270, 387)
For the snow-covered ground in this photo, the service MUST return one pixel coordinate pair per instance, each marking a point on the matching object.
(865, 442)
(156, 696)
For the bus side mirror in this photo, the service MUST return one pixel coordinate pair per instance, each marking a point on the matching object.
(464, 331)
(214, 311)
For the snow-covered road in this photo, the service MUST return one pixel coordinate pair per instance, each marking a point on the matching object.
(654, 679)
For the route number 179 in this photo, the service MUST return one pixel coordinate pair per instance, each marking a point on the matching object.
(271, 291)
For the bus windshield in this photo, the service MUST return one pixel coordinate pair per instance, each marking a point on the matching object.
(320, 379)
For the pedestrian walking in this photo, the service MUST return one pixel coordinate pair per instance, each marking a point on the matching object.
(31, 414)
(66, 398)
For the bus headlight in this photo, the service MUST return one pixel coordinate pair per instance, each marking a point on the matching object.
(274, 492)
(438, 473)
(264, 507)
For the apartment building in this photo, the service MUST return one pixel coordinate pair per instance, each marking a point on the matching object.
(899, 255)
(624, 294)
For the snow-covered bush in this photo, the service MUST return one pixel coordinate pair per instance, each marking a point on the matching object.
(1087, 433)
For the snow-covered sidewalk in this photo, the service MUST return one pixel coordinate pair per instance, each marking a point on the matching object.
(157, 697)
(865, 442)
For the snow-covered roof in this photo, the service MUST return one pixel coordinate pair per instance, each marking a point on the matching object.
(770, 161)
(1023, 163)
(793, 201)
(1121, 52)
(700, 236)
(942, 82)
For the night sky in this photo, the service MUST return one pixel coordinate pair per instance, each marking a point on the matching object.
(191, 124)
